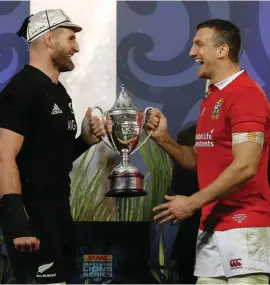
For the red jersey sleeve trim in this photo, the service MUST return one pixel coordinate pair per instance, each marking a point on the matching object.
(248, 127)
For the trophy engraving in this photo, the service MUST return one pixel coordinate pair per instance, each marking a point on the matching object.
(127, 125)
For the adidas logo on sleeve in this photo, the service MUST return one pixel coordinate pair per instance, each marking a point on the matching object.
(56, 110)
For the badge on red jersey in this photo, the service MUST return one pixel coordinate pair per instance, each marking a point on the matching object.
(216, 110)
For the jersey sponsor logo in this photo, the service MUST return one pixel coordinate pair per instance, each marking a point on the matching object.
(56, 110)
(236, 263)
(216, 110)
(72, 125)
(204, 139)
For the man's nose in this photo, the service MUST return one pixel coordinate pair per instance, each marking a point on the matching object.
(76, 47)
(193, 51)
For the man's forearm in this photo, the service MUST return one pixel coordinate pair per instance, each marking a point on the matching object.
(185, 156)
(227, 182)
(9, 177)
(14, 219)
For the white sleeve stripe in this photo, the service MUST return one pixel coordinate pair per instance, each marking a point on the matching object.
(257, 137)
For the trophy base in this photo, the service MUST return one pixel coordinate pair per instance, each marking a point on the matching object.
(126, 185)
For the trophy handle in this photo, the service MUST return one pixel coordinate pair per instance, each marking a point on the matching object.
(145, 140)
(103, 116)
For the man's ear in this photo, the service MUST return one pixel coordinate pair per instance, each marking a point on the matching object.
(223, 51)
(49, 39)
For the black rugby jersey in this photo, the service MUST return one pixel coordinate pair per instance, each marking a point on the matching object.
(41, 111)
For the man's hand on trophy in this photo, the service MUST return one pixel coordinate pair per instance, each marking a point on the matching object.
(93, 128)
(157, 123)
(108, 124)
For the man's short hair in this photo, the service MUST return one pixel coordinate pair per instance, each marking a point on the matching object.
(226, 33)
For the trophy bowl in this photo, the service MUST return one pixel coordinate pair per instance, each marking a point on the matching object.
(127, 126)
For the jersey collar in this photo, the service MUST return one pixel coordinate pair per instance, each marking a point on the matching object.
(222, 84)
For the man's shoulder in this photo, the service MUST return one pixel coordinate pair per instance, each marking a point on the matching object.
(17, 79)
(26, 82)
(20, 81)
(246, 88)
(249, 84)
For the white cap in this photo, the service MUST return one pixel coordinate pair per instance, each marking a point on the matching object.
(48, 20)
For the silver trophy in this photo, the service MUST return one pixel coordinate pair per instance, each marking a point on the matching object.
(127, 125)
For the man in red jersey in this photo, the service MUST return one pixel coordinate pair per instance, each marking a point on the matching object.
(231, 157)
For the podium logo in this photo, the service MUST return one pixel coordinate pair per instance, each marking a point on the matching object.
(97, 258)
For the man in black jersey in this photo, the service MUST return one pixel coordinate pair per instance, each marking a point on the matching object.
(37, 148)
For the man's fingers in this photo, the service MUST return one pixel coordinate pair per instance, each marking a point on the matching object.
(161, 206)
(170, 198)
(26, 244)
(22, 248)
(89, 112)
(98, 129)
(100, 134)
(167, 219)
(17, 246)
(35, 245)
(154, 112)
(94, 121)
(30, 246)
(108, 124)
(108, 120)
(153, 123)
(154, 119)
(151, 126)
(162, 214)
(94, 124)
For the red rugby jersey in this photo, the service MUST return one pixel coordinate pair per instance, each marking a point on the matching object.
(241, 106)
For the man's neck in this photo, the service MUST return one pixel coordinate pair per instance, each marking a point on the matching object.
(225, 73)
(46, 67)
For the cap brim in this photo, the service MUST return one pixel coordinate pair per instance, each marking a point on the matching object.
(72, 26)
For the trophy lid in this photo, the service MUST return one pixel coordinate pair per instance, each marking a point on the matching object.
(123, 102)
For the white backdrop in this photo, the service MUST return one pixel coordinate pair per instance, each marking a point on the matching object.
(93, 81)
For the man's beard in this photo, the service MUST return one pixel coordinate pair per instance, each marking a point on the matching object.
(62, 62)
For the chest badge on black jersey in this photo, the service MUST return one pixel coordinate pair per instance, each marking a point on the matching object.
(216, 110)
